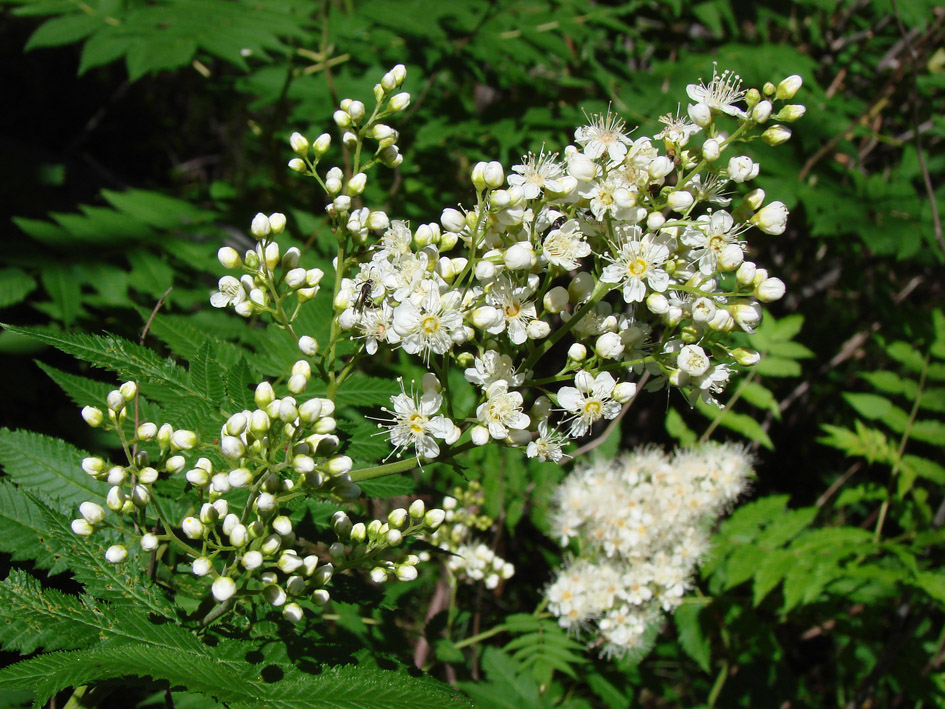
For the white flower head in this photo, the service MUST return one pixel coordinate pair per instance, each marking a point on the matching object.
(514, 307)
(603, 136)
(638, 264)
(429, 326)
(548, 444)
(376, 326)
(231, 292)
(502, 411)
(678, 130)
(588, 401)
(417, 424)
(709, 237)
(720, 94)
(537, 173)
(565, 245)
(493, 367)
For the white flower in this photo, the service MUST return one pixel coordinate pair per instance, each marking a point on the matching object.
(678, 129)
(604, 135)
(375, 324)
(231, 293)
(538, 173)
(709, 237)
(430, 326)
(723, 91)
(610, 196)
(415, 423)
(493, 367)
(548, 444)
(693, 361)
(501, 411)
(638, 260)
(589, 400)
(513, 306)
(742, 168)
(565, 245)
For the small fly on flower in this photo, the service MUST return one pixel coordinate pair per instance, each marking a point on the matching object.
(364, 297)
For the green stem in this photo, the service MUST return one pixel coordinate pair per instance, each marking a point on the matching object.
(719, 683)
(484, 635)
(399, 466)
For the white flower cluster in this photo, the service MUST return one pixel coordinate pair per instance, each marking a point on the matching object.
(630, 248)
(641, 524)
(470, 560)
(250, 547)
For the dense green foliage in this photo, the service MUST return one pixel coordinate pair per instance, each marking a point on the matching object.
(146, 135)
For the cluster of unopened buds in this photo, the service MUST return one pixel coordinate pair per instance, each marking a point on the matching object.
(470, 560)
(630, 253)
(249, 547)
(641, 526)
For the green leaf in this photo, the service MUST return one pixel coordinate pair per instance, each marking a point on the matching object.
(785, 527)
(770, 366)
(362, 390)
(157, 53)
(760, 396)
(239, 380)
(15, 285)
(157, 210)
(64, 30)
(206, 375)
(51, 466)
(82, 391)
(740, 423)
(771, 571)
(61, 284)
(906, 354)
(125, 358)
(691, 638)
(869, 406)
(33, 618)
(23, 531)
(932, 583)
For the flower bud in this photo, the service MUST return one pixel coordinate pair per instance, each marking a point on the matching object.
(116, 554)
(239, 535)
(770, 290)
(223, 588)
(128, 391)
(299, 144)
(788, 87)
(747, 315)
(577, 352)
(742, 169)
(761, 112)
(297, 165)
(480, 435)
(117, 475)
(537, 330)
(140, 496)
(93, 466)
(776, 134)
(746, 357)
(341, 118)
(397, 517)
(322, 575)
(183, 440)
(192, 528)
(260, 227)
(149, 542)
(700, 114)
(82, 527)
(520, 256)
(680, 200)
(417, 509)
(434, 518)
(399, 102)
(115, 499)
(357, 183)
(321, 144)
(660, 167)
(240, 477)
(405, 572)
(93, 416)
(654, 220)
(791, 112)
(772, 218)
(609, 346)
(624, 391)
(232, 447)
(711, 150)
(115, 401)
(201, 566)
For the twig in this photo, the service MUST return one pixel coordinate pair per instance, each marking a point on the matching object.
(838, 483)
